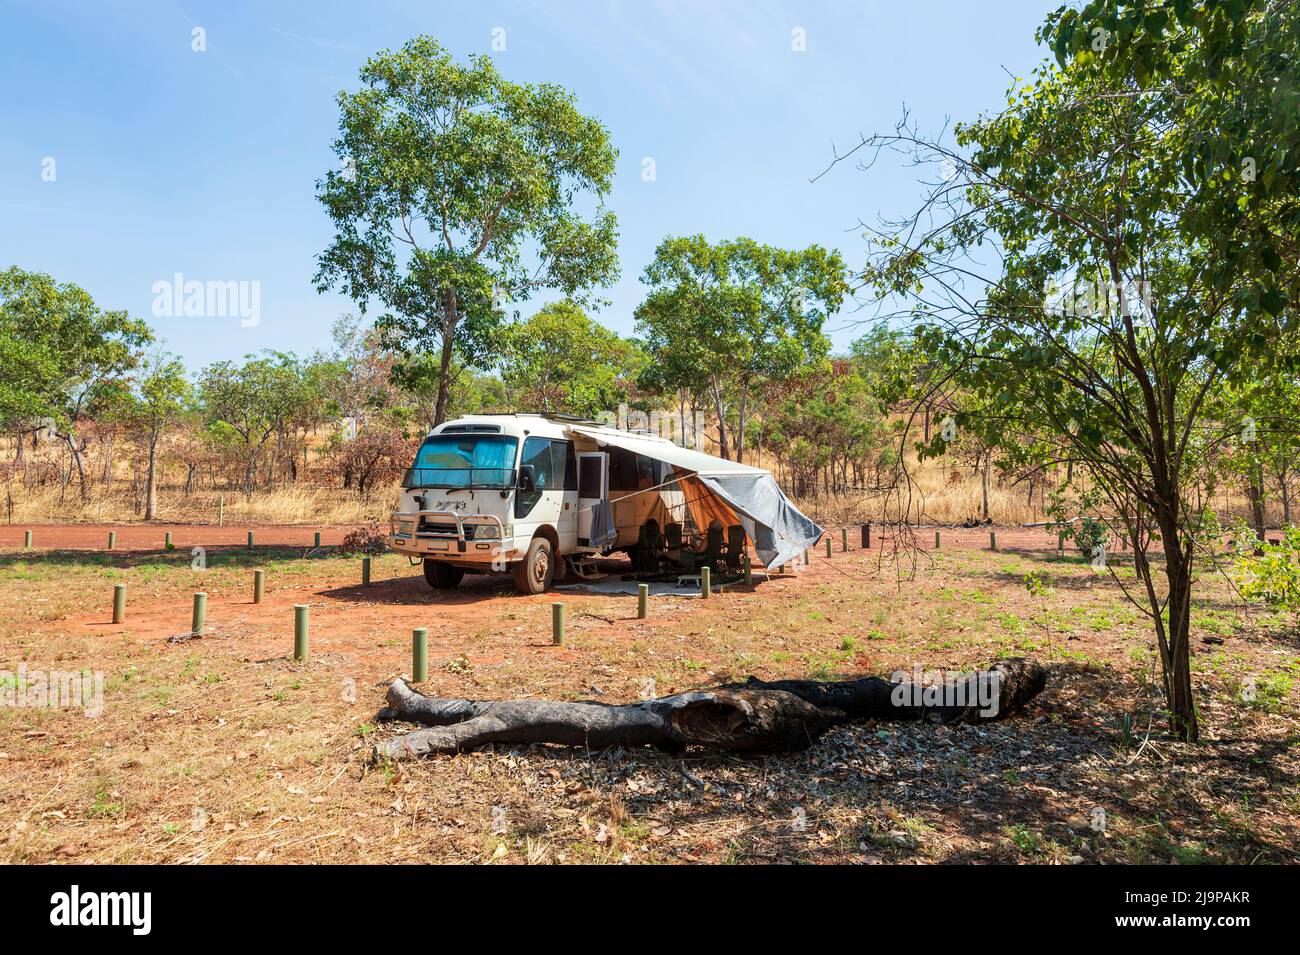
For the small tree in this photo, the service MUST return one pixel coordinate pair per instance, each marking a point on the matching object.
(455, 197)
(162, 395)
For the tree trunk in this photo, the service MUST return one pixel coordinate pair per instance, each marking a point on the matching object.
(724, 451)
(1255, 494)
(151, 482)
(752, 717)
(444, 367)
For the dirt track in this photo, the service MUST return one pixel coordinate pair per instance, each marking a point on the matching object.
(149, 537)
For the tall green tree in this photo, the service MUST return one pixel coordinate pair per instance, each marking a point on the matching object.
(562, 360)
(1082, 182)
(736, 316)
(61, 353)
(163, 394)
(456, 196)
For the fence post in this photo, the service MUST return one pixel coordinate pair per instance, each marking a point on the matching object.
(199, 618)
(557, 624)
(300, 631)
(119, 603)
(844, 539)
(420, 654)
(828, 545)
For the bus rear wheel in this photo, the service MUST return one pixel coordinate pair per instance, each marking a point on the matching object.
(442, 576)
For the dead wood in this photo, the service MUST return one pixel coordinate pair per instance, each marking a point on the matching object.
(752, 717)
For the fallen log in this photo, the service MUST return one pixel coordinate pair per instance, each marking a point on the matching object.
(752, 717)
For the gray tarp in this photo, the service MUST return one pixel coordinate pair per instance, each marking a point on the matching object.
(779, 530)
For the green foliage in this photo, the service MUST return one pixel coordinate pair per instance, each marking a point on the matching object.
(454, 198)
(562, 361)
(1273, 574)
(729, 318)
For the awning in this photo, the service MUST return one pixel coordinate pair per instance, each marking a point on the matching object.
(727, 491)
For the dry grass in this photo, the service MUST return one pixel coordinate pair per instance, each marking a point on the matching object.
(225, 749)
(291, 504)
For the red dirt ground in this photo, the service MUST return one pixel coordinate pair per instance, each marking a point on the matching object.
(148, 537)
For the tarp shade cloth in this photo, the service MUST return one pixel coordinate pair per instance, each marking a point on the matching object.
(728, 492)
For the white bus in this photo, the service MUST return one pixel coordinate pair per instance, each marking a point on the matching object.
(530, 494)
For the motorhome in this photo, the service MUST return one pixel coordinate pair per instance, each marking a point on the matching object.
(519, 493)
(544, 496)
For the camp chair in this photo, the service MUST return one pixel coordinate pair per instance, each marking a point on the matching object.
(735, 546)
(682, 557)
(713, 546)
(649, 548)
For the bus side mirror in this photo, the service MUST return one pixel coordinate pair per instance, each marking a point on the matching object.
(528, 479)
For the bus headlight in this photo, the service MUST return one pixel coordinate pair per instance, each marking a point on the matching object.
(485, 532)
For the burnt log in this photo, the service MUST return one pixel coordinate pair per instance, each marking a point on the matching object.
(753, 717)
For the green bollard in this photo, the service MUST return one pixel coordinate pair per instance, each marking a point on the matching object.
(250, 540)
(167, 540)
(199, 619)
(993, 541)
(557, 624)
(221, 510)
(300, 631)
(844, 539)
(936, 540)
(828, 545)
(317, 543)
(365, 571)
(119, 603)
(642, 601)
(420, 654)
(112, 539)
(259, 585)
(27, 540)
(706, 584)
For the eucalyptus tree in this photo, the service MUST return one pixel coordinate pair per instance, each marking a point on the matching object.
(456, 195)
(1056, 263)
(738, 315)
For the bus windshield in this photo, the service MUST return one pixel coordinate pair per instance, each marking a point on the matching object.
(464, 460)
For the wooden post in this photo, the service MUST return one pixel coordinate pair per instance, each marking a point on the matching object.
(112, 539)
(993, 541)
(420, 654)
(866, 535)
(259, 585)
(365, 571)
(706, 584)
(250, 540)
(557, 624)
(119, 603)
(844, 539)
(199, 618)
(749, 570)
(27, 540)
(828, 545)
(642, 601)
(300, 631)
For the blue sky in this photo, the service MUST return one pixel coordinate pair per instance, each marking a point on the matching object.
(168, 160)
